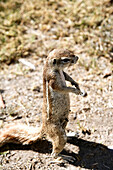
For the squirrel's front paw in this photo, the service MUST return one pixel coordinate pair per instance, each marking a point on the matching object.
(83, 93)
(77, 91)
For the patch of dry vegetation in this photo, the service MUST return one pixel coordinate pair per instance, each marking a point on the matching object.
(34, 27)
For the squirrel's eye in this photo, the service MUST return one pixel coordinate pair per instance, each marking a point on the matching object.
(66, 60)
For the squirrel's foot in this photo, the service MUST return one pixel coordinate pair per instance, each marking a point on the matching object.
(58, 160)
(67, 158)
(63, 159)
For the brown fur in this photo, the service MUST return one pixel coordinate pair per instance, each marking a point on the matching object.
(56, 105)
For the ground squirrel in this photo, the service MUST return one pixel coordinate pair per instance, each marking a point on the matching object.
(56, 105)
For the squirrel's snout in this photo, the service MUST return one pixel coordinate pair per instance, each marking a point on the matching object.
(75, 59)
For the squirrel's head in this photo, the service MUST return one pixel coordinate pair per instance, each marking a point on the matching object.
(61, 58)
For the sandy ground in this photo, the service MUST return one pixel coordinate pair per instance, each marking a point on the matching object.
(91, 117)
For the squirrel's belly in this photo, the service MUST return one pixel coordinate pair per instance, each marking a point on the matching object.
(60, 105)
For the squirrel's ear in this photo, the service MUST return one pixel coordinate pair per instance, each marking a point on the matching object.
(54, 61)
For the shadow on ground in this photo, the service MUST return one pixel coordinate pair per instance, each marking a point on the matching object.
(91, 155)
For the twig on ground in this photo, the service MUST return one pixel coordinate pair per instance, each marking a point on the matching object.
(27, 63)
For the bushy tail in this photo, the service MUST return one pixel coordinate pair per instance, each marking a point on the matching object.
(19, 134)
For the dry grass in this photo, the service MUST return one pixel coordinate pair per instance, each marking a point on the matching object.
(34, 27)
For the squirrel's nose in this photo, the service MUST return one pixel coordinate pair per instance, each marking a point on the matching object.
(76, 58)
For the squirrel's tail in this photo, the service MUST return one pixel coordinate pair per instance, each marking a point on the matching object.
(19, 134)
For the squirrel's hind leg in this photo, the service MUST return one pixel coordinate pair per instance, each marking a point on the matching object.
(56, 134)
(58, 138)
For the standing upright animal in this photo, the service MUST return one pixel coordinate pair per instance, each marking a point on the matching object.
(56, 105)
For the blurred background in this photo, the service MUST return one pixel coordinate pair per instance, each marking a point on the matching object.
(34, 27)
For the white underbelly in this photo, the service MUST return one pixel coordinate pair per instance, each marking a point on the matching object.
(60, 104)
